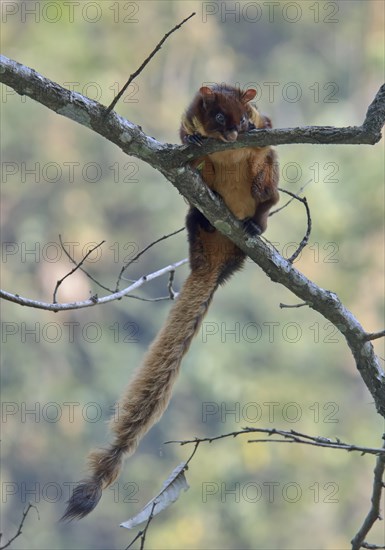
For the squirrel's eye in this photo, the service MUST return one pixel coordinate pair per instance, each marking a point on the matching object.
(219, 117)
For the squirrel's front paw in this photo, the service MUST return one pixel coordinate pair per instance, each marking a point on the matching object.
(194, 139)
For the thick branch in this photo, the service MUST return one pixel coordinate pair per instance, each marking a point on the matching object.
(89, 113)
(130, 138)
(168, 159)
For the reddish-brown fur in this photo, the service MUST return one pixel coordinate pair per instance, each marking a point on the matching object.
(247, 181)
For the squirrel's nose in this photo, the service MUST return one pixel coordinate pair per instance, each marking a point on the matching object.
(231, 135)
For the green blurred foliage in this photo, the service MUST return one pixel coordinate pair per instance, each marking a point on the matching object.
(252, 363)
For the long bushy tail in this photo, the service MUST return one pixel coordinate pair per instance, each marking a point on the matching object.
(149, 391)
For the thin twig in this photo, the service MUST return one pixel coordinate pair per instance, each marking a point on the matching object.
(171, 292)
(144, 533)
(374, 335)
(82, 268)
(141, 252)
(291, 436)
(197, 443)
(19, 529)
(374, 513)
(139, 534)
(138, 71)
(17, 299)
(282, 306)
(290, 200)
(77, 266)
(143, 299)
(305, 239)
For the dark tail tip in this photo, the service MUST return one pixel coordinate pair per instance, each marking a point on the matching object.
(83, 500)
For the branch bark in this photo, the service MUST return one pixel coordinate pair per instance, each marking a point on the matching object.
(130, 138)
(170, 161)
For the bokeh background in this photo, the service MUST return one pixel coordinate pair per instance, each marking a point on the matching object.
(252, 364)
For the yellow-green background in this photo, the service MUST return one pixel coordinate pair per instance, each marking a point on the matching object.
(330, 47)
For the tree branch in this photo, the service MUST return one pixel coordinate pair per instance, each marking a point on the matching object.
(130, 138)
(145, 62)
(291, 436)
(94, 300)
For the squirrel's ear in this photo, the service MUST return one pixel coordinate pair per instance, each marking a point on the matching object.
(206, 92)
(267, 122)
(248, 95)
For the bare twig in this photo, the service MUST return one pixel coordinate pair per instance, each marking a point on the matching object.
(145, 62)
(171, 292)
(77, 266)
(19, 529)
(305, 239)
(282, 306)
(17, 299)
(144, 532)
(290, 200)
(291, 436)
(138, 535)
(374, 335)
(143, 299)
(374, 513)
(141, 252)
(82, 268)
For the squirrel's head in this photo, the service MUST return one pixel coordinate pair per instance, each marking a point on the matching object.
(224, 111)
